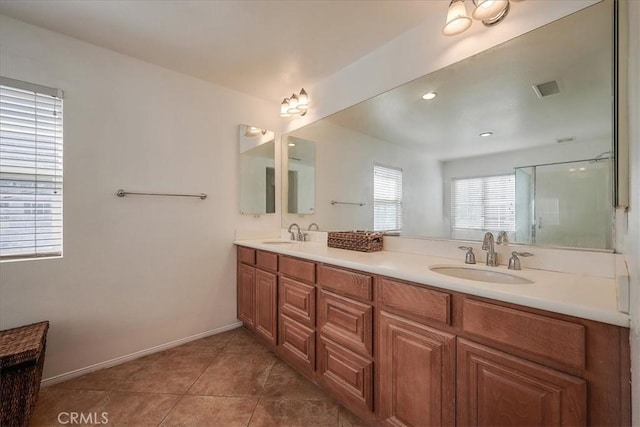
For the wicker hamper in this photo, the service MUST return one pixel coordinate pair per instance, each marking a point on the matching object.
(363, 241)
(21, 360)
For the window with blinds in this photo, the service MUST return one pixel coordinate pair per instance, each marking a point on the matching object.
(485, 204)
(30, 170)
(387, 198)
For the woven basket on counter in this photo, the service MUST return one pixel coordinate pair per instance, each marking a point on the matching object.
(21, 360)
(363, 241)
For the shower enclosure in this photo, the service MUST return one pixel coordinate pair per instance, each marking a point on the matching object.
(566, 204)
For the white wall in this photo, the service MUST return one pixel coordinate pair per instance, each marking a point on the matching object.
(138, 271)
(632, 249)
(344, 172)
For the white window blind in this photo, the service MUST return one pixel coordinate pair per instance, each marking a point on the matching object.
(484, 203)
(387, 198)
(30, 170)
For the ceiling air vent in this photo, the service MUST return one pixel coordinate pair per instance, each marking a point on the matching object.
(546, 89)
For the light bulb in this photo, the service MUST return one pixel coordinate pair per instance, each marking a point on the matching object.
(303, 100)
(457, 19)
(293, 105)
(284, 108)
(489, 9)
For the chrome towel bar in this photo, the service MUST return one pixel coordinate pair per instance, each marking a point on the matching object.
(333, 202)
(122, 193)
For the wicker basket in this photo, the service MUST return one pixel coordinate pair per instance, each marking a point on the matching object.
(363, 241)
(21, 360)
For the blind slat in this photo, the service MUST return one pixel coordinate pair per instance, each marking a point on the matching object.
(31, 130)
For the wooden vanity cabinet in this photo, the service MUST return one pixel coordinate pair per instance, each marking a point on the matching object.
(404, 354)
(257, 292)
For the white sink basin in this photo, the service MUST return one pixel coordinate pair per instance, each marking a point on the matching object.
(278, 242)
(481, 275)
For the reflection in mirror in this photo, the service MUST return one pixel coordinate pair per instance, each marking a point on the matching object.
(301, 176)
(257, 170)
(518, 140)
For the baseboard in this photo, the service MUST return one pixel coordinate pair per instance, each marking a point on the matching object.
(122, 359)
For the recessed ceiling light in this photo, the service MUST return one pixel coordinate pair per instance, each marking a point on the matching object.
(291, 144)
(429, 95)
(483, 134)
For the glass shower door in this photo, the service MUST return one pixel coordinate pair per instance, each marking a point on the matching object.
(572, 204)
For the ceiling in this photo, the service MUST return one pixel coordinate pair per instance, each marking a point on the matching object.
(264, 48)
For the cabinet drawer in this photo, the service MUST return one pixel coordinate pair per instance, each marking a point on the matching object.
(298, 345)
(346, 374)
(542, 336)
(298, 301)
(267, 260)
(298, 269)
(246, 255)
(345, 321)
(414, 302)
(345, 282)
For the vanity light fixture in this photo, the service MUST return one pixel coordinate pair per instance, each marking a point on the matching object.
(485, 134)
(292, 144)
(429, 96)
(295, 104)
(490, 12)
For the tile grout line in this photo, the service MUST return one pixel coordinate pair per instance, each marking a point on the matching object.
(184, 394)
(260, 396)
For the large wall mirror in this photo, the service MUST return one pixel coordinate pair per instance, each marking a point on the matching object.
(517, 139)
(257, 170)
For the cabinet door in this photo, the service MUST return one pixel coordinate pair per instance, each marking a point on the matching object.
(496, 388)
(266, 303)
(297, 344)
(247, 295)
(347, 374)
(416, 374)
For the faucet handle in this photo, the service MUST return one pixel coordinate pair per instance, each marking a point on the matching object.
(514, 261)
(470, 257)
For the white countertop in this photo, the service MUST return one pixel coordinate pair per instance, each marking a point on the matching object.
(578, 295)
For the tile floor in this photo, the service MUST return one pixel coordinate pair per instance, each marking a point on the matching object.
(225, 380)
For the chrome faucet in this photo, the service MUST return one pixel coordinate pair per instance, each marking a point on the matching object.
(313, 224)
(488, 245)
(295, 236)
